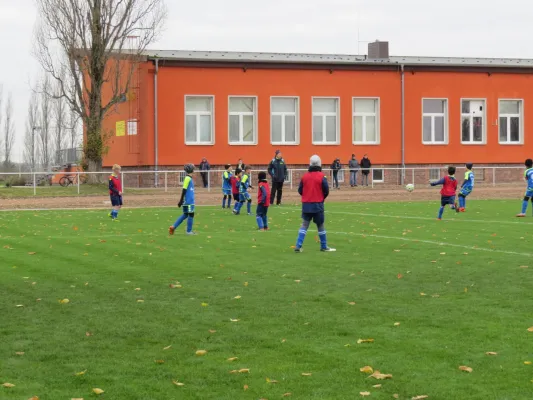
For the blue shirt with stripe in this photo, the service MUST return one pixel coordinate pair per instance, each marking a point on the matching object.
(226, 183)
(188, 185)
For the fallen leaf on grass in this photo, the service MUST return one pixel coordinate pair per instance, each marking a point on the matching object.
(377, 386)
(178, 383)
(8, 385)
(166, 348)
(364, 394)
(64, 301)
(137, 289)
(19, 353)
(234, 320)
(268, 380)
(244, 371)
(527, 362)
(423, 294)
(530, 329)
(352, 303)
(380, 376)
(524, 266)
(245, 283)
(396, 395)
(245, 387)
(80, 373)
(19, 305)
(367, 369)
(465, 368)
(399, 276)
(159, 361)
(396, 324)
(237, 297)
(88, 334)
(232, 359)
(32, 253)
(211, 331)
(365, 341)
(140, 301)
(201, 352)
(297, 280)
(34, 398)
(491, 353)
(205, 304)
(98, 391)
(306, 374)
(286, 394)
(422, 397)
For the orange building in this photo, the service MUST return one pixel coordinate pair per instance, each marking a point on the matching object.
(186, 105)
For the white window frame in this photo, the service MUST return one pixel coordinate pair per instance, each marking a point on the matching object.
(282, 114)
(484, 131)
(376, 114)
(433, 115)
(435, 171)
(508, 116)
(254, 113)
(132, 127)
(382, 175)
(336, 114)
(198, 114)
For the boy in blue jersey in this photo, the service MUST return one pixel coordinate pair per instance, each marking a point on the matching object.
(187, 201)
(244, 196)
(226, 186)
(528, 176)
(466, 187)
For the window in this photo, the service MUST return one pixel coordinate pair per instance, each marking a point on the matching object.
(479, 174)
(378, 175)
(511, 121)
(434, 121)
(284, 120)
(242, 120)
(473, 121)
(132, 127)
(434, 174)
(199, 120)
(325, 120)
(365, 121)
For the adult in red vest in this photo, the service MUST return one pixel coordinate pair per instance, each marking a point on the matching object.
(314, 189)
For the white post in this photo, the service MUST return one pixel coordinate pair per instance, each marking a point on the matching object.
(166, 181)
(290, 176)
(34, 184)
(79, 177)
(209, 181)
(372, 176)
(413, 181)
(122, 180)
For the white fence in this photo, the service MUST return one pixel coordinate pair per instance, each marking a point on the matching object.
(153, 182)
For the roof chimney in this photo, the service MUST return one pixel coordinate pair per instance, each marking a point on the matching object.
(378, 50)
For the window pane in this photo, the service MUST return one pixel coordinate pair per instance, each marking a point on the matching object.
(465, 130)
(233, 128)
(364, 105)
(439, 129)
(509, 107)
(190, 128)
(205, 128)
(515, 129)
(371, 134)
(358, 128)
(433, 106)
(465, 107)
(377, 174)
(478, 129)
(427, 129)
(317, 129)
(198, 104)
(290, 128)
(241, 104)
(331, 129)
(276, 128)
(280, 104)
(324, 105)
(503, 129)
(248, 126)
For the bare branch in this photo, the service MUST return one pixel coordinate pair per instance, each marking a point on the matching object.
(8, 131)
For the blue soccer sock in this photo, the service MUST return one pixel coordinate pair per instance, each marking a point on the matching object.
(249, 207)
(323, 239)
(260, 223)
(190, 221)
(180, 220)
(229, 201)
(224, 202)
(441, 211)
(301, 237)
(265, 221)
(524, 206)
(462, 201)
(114, 214)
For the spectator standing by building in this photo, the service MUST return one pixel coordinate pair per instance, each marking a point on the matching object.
(204, 166)
(277, 169)
(354, 169)
(240, 165)
(366, 165)
(336, 167)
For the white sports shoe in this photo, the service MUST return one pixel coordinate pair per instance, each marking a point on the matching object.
(328, 249)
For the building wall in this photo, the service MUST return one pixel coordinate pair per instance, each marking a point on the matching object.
(176, 82)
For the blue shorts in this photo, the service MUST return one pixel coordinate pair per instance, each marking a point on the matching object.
(318, 217)
(529, 193)
(445, 200)
(261, 210)
(116, 201)
(465, 191)
(226, 192)
(245, 197)
(188, 209)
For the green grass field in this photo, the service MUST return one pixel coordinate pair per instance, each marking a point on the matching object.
(432, 295)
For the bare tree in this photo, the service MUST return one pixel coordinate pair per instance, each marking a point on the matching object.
(31, 142)
(59, 123)
(45, 131)
(1, 120)
(101, 43)
(8, 132)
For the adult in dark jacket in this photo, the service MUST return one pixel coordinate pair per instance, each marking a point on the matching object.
(336, 167)
(365, 170)
(353, 164)
(277, 169)
(240, 165)
(204, 166)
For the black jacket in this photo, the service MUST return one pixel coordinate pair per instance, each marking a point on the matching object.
(277, 169)
(365, 165)
(336, 165)
(204, 166)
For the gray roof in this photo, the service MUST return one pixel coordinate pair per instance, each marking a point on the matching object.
(339, 59)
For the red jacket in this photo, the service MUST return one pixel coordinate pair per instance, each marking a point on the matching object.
(263, 194)
(115, 185)
(234, 184)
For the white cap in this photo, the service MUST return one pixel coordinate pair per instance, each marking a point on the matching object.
(315, 161)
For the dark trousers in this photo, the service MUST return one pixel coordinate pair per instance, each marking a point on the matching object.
(204, 178)
(276, 192)
(336, 179)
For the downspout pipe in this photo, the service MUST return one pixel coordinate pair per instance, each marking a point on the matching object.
(156, 124)
(402, 76)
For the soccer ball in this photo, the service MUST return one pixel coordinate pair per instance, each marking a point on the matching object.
(409, 187)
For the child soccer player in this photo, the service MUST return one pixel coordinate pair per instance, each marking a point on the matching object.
(115, 192)
(466, 187)
(244, 196)
(187, 201)
(528, 176)
(314, 190)
(449, 187)
(263, 201)
(226, 185)
(235, 183)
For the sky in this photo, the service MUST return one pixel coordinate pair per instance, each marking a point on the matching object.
(462, 28)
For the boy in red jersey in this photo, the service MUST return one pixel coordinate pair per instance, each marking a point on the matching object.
(314, 190)
(263, 202)
(115, 192)
(449, 187)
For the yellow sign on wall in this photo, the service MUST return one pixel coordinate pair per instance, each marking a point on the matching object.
(121, 128)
